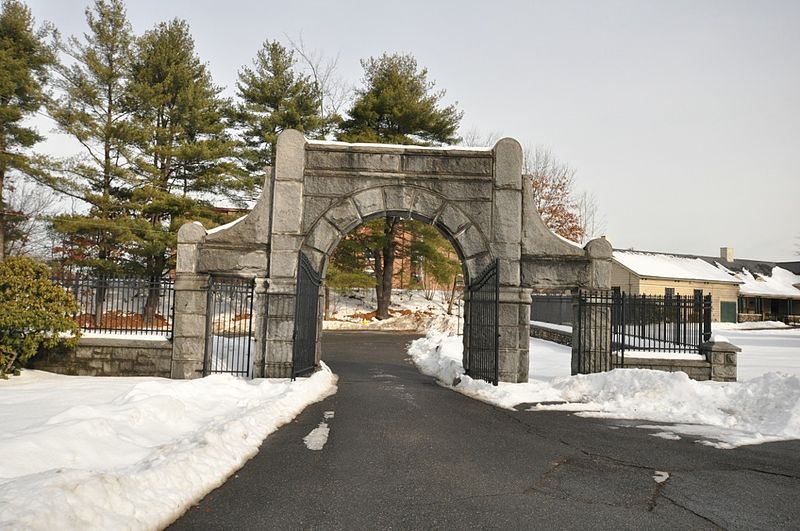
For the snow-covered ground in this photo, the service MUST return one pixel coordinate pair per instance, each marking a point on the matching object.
(131, 453)
(411, 310)
(767, 346)
(764, 408)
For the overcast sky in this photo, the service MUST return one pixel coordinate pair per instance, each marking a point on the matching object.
(682, 117)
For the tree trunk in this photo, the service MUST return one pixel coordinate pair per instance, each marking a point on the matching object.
(2, 215)
(153, 291)
(452, 296)
(378, 259)
(384, 277)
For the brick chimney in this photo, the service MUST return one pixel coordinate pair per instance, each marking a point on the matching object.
(726, 253)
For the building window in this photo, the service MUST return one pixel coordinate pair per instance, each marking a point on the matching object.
(669, 293)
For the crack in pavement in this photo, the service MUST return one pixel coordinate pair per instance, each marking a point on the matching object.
(656, 493)
(681, 506)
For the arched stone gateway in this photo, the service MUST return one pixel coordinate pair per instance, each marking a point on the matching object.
(320, 191)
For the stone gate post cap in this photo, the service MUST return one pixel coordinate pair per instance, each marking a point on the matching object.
(192, 232)
(290, 137)
(719, 343)
(599, 248)
(508, 142)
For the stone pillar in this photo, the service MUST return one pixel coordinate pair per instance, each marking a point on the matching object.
(286, 237)
(259, 327)
(506, 246)
(591, 333)
(515, 307)
(191, 300)
(722, 356)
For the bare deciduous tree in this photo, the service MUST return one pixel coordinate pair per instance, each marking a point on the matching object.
(593, 224)
(552, 183)
(29, 229)
(474, 137)
(336, 93)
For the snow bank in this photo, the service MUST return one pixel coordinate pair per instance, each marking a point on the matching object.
(760, 410)
(131, 453)
(752, 325)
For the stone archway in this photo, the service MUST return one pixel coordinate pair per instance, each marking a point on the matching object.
(319, 191)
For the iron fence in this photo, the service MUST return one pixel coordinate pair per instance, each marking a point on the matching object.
(134, 305)
(641, 323)
(229, 326)
(660, 323)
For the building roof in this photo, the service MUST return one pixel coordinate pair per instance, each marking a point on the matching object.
(756, 278)
(672, 267)
(779, 283)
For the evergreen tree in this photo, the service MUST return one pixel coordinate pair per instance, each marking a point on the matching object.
(182, 152)
(397, 104)
(24, 61)
(274, 97)
(93, 109)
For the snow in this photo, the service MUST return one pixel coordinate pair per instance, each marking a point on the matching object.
(765, 351)
(317, 438)
(553, 326)
(781, 283)
(647, 354)
(660, 476)
(655, 265)
(400, 147)
(225, 226)
(412, 311)
(131, 453)
(725, 415)
(752, 325)
(122, 336)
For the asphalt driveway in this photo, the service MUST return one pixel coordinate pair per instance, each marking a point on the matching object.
(405, 453)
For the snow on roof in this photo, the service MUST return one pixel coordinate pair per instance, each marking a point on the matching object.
(781, 283)
(668, 266)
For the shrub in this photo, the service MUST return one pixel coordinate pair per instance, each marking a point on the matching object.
(34, 312)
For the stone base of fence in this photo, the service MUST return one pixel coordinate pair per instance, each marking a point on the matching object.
(108, 356)
(695, 369)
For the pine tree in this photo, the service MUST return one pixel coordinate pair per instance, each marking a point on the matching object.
(274, 97)
(93, 109)
(25, 58)
(182, 151)
(397, 104)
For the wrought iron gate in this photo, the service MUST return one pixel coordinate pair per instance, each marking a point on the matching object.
(306, 313)
(229, 326)
(483, 329)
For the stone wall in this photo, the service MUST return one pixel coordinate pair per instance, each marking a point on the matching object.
(548, 334)
(109, 356)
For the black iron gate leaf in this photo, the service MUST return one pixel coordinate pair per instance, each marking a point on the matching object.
(229, 326)
(483, 326)
(305, 317)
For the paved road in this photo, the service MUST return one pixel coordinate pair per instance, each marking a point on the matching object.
(404, 453)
